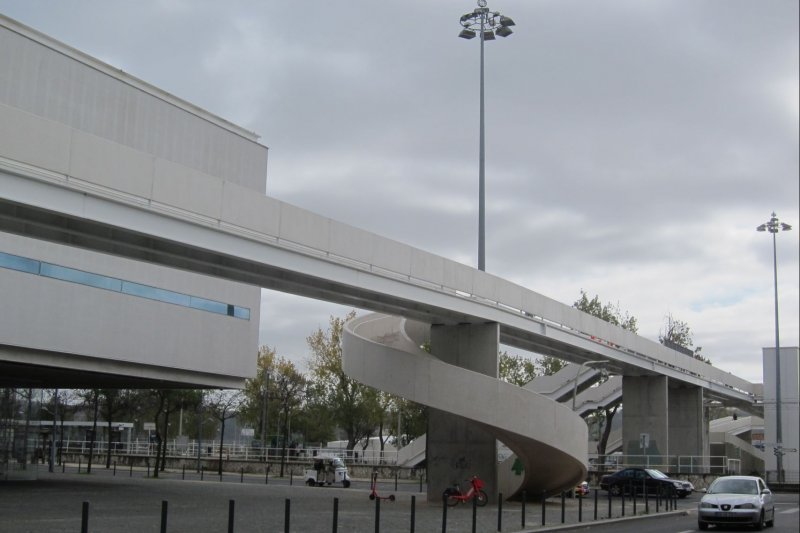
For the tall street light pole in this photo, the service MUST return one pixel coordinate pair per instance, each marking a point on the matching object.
(773, 225)
(486, 24)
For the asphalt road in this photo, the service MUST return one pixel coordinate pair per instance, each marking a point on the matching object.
(787, 520)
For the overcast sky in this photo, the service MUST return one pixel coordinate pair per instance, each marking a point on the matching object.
(632, 146)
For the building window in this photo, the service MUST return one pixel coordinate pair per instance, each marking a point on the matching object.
(99, 281)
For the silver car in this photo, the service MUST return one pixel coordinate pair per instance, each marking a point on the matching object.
(740, 500)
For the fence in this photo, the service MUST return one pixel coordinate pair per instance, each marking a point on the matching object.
(676, 464)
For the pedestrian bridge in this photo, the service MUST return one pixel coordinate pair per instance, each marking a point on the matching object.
(79, 174)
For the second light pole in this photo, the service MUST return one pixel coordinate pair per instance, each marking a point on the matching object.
(485, 24)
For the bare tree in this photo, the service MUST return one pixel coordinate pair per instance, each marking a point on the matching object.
(224, 405)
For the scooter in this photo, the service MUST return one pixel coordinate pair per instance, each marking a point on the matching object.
(374, 489)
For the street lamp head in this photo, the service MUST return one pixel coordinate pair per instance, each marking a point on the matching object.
(506, 21)
(504, 31)
(773, 225)
(488, 35)
(467, 34)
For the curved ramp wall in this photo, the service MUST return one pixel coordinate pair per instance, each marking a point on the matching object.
(549, 439)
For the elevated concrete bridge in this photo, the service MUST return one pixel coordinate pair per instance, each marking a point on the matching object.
(77, 174)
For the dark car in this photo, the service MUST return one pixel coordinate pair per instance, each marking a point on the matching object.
(654, 481)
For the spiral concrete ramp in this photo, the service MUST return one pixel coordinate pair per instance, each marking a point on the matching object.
(550, 440)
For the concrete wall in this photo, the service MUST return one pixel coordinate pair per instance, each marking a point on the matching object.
(79, 322)
(50, 80)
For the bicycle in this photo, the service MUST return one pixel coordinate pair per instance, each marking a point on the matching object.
(454, 495)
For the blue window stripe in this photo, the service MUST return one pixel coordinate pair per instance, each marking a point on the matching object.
(209, 305)
(15, 262)
(78, 276)
(72, 275)
(153, 293)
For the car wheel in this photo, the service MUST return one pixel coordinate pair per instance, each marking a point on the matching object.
(346, 483)
(615, 490)
(702, 525)
(311, 483)
(760, 524)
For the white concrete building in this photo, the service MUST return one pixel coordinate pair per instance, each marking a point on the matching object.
(790, 414)
(73, 307)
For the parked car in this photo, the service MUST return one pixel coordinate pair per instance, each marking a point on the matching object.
(737, 500)
(654, 481)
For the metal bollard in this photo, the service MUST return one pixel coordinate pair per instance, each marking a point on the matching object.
(266, 475)
(85, 518)
(500, 512)
(413, 512)
(563, 505)
(164, 516)
(633, 491)
(183, 472)
(231, 505)
(335, 515)
(202, 472)
(420, 482)
(377, 515)
(646, 500)
(115, 468)
(241, 475)
(286, 514)
(524, 499)
(580, 507)
(395, 480)
(609, 503)
(596, 492)
(474, 513)
(79, 465)
(131, 474)
(444, 513)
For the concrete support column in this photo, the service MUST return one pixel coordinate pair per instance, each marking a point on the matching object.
(664, 420)
(645, 416)
(457, 448)
(688, 428)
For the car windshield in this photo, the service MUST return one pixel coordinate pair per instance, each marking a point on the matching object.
(658, 474)
(733, 486)
(338, 463)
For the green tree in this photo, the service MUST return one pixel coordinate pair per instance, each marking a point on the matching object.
(608, 312)
(549, 365)
(678, 335)
(516, 369)
(353, 407)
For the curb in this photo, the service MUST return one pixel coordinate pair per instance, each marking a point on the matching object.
(594, 523)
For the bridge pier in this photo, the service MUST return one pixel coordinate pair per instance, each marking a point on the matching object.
(457, 448)
(663, 419)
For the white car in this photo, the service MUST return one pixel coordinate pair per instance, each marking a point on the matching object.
(737, 500)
